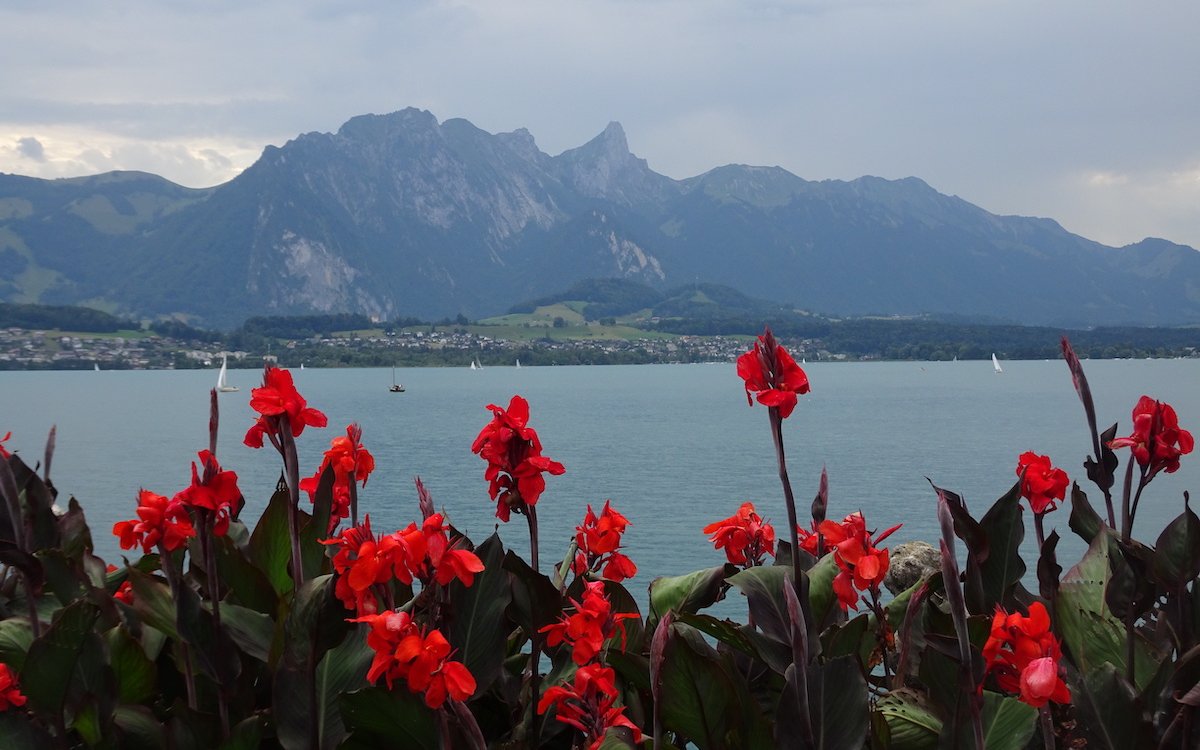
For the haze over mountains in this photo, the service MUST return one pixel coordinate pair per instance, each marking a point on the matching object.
(401, 215)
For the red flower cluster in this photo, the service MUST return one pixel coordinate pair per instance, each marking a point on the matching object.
(593, 623)
(216, 491)
(772, 375)
(1042, 483)
(515, 461)
(403, 652)
(597, 540)
(588, 704)
(159, 521)
(10, 691)
(277, 397)
(745, 537)
(349, 459)
(1023, 655)
(1157, 441)
(861, 564)
(3, 452)
(426, 554)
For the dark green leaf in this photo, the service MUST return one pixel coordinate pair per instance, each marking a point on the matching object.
(1003, 567)
(64, 578)
(341, 670)
(252, 631)
(1008, 724)
(15, 638)
(212, 649)
(50, 665)
(271, 545)
(135, 674)
(1048, 570)
(536, 601)
(913, 722)
(1109, 713)
(1090, 633)
(248, 734)
(837, 704)
(702, 701)
(18, 732)
(152, 602)
(1084, 520)
(248, 586)
(377, 719)
(763, 587)
(477, 632)
(315, 624)
(1177, 551)
(138, 728)
(686, 593)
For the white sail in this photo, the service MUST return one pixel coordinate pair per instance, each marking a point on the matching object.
(473, 367)
(518, 364)
(222, 385)
(996, 364)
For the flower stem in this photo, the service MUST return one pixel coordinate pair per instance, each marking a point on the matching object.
(1047, 727)
(535, 652)
(799, 582)
(1039, 530)
(788, 497)
(214, 595)
(291, 469)
(1126, 519)
(168, 567)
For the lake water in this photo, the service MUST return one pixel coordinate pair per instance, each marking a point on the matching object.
(674, 446)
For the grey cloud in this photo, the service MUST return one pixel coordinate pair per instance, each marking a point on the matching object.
(31, 148)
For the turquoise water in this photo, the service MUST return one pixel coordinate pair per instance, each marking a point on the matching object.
(674, 446)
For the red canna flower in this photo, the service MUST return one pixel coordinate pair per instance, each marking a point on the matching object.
(589, 627)
(277, 397)
(364, 562)
(772, 375)
(515, 461)
(862, 566)
(744, 536)
(432, 672)
(402, 652)
(10, 691)
(597, 540)
(3, 452)
(215, 491)
(828, 534)
(588, 705)
(1023, 655)
(1157, 441)
(1042, 483)
(159, 521)
(349, 459)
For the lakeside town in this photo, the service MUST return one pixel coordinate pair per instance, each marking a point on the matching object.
(25, 349)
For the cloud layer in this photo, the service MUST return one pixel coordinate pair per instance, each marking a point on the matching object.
(1082, 111)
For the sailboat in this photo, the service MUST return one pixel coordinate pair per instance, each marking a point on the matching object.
(473, 367)
(396, 387)
(222, 385)
(518, 363)
(996, 364)
(96, 366)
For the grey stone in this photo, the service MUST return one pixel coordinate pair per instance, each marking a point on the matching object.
(909, 563)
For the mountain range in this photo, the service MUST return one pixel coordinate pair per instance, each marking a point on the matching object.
(401, 214)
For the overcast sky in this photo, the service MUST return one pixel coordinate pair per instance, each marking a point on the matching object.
(1085, 111)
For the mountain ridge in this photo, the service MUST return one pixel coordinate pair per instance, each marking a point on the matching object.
(401, 214)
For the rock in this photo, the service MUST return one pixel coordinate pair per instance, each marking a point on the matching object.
(909, 563)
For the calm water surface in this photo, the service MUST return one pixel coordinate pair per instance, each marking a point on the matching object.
(674, 446)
